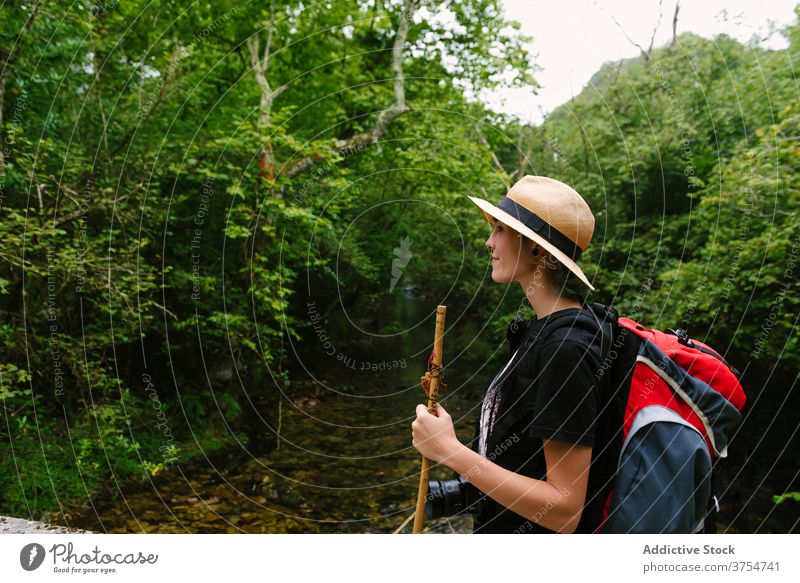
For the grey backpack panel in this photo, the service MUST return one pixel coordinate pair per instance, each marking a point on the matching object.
(682, 475)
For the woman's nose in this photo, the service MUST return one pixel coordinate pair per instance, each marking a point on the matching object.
(490, 242)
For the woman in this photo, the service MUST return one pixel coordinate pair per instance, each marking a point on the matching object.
(542, 460)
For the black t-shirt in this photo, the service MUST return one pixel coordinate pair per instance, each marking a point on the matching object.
(556, 385)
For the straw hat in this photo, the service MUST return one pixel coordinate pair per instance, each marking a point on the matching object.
(550, 213)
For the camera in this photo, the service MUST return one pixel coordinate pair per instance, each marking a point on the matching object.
(450, 497)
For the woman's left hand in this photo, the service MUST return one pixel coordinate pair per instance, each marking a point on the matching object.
(434, 437)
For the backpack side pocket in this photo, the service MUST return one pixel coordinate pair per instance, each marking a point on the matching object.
(664, 476)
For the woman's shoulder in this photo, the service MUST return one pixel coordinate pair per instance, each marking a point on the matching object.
(572, 329)
(573, 334)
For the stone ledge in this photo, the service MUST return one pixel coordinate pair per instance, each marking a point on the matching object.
(10, 525)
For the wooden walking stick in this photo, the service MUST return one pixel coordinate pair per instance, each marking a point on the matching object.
(433, 394)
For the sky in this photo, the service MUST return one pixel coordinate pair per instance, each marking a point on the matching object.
(574, 38)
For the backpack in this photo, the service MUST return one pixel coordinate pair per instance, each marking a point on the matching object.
(680, 402)
(673, 403)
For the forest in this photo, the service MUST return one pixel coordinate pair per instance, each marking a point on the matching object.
(225, 228)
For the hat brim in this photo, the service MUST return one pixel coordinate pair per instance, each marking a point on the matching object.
(493, 213)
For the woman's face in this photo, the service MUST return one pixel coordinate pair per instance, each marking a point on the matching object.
(511, 254)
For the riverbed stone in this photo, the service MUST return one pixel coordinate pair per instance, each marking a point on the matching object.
(11, 525)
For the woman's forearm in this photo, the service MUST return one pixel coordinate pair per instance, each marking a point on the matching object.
(536, 500)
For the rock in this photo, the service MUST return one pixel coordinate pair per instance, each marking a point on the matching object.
(248, 517)
(151, 516)
(305, 403)
(10, 525)
(391, 508)
(290, 498)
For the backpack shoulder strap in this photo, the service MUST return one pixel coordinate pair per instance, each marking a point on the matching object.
(606, 318)
(589, 320)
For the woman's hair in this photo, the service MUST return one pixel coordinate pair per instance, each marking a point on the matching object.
(564, 282)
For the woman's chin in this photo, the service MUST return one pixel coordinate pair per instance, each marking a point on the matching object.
(498, 276)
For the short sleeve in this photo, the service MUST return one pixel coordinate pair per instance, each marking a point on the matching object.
(566, 403)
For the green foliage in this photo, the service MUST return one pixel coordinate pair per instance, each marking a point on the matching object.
(778, 499)
(155, 261)
(150, 264)
(746, 267)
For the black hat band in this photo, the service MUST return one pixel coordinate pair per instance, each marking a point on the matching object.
(538, 225)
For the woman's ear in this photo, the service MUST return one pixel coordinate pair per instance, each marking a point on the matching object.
(535, 248)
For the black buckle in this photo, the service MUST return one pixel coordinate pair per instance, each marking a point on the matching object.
(683, 336)
(607, 311)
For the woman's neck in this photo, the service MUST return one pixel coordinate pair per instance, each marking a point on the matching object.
(544, 299)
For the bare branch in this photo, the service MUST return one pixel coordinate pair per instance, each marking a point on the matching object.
(279, 90)
(303, 165)
(405, 522)
(675, 21)
(485, 144)
(524, 160)
(645, 53)
(630, 40)
(39, 194)
(252, 47)
(658, 23)
(269, 35)
(387, 116)
(68, 192)
(165, 310)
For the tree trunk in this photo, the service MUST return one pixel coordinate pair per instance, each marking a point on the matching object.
(266, 158)
(387, 116)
